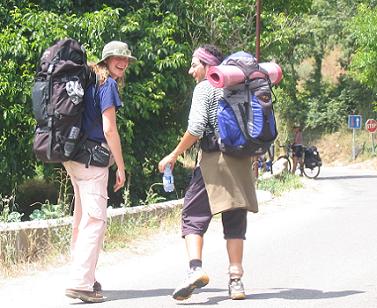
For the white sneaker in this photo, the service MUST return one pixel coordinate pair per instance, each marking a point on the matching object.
(236, 289)
(197, 278)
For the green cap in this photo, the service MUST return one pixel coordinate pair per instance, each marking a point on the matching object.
(117, 48)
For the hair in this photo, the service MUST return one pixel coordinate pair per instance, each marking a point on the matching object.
(103, 73)
(215, 51)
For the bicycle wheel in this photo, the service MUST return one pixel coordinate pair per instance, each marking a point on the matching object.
(282, 163)
(312, 173)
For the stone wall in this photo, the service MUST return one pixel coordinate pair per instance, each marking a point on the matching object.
(23, 240)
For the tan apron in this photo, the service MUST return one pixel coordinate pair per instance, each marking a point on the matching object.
(229, 182)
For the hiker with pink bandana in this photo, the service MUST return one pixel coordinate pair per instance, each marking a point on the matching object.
(219, 184)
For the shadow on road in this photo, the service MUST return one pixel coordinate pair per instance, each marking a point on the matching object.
(346, 177)
(113, 295)
(297, 294)
(290, 294)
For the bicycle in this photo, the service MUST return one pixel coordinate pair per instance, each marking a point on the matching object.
(263, 163)
(310, 165)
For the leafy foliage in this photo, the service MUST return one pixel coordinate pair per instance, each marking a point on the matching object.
(48, 211)
(8, 212)
(157, 94)
(149, 92)
(364, 26)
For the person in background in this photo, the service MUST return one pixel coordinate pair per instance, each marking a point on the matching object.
(219, 184)
(297, 149)
(90, 182)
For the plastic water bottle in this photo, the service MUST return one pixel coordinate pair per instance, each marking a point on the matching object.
(168, 179)
(71, 141)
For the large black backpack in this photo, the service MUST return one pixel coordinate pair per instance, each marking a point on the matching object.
(57, 96)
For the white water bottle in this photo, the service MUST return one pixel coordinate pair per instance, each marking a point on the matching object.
(168, 179)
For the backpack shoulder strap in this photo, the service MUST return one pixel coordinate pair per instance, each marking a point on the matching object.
(95, 98)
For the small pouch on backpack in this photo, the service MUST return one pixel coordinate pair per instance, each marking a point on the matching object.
(100, 156)
(209, 143)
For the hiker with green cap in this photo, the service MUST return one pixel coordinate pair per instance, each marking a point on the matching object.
(89, 182)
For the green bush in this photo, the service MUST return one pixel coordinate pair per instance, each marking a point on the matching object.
(33, 193)
(8, 211)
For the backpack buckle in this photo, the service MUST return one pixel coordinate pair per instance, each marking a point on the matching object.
(50, 68)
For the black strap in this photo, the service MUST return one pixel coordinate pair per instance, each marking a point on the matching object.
(90, 157)
(50, 111)
(245, 110)
(97, 121)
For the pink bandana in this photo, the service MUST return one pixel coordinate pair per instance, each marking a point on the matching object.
(206, 57)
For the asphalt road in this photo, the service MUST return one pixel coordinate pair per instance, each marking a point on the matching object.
(314, 247)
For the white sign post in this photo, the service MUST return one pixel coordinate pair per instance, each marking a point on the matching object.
(354, 122)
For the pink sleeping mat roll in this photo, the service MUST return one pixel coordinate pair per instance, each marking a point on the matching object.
(223, 76)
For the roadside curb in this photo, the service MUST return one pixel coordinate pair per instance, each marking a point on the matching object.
(262, 196)
(23, 237)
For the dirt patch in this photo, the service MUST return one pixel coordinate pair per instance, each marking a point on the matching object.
(336, 149)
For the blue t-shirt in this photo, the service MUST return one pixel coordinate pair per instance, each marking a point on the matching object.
(107, 96)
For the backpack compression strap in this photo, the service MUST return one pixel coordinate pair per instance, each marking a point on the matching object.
(50, 111)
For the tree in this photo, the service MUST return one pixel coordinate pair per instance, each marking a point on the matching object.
(163, 35)
(153, 32)
(364, 26)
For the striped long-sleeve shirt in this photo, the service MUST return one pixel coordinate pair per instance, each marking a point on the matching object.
(203, 112)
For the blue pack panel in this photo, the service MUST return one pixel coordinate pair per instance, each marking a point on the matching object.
(229, 130)
(255, 127)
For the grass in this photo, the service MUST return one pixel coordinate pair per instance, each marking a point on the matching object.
(121, 233)
(277, 185)
(336, 148)
(40, 249)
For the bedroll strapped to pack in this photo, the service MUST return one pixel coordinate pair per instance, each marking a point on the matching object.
(57, 96)
(246, 120)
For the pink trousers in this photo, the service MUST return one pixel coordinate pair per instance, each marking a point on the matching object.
(89, 222)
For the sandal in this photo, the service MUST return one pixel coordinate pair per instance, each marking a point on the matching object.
(85, 296)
